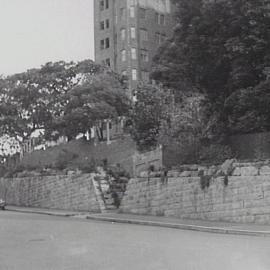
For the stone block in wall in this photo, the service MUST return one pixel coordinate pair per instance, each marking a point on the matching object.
(211, 170)
(248, 219)
(173, 173)
(249, 171)
(244, 164)
(190, 167)
(258, 210)
(189, 174)
(143, 174)
(265, 170)
(228, 206)
(170, 213)
(262, 219)
(236, 171)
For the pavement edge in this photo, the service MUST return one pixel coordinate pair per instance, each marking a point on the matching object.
(198, 228)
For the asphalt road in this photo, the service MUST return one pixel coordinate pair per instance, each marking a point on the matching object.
(33, 242)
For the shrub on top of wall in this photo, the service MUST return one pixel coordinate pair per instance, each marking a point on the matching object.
(63, 159)
(215, 153)
(87, 166)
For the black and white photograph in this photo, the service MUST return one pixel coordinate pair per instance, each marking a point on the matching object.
(134, 134)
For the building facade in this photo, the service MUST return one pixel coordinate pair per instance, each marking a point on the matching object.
(128, 34)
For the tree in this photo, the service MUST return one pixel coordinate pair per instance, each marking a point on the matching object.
(220, 48)
(98, 97)
(184, 122)
(147, 115)
(32, 99)
(248, 109)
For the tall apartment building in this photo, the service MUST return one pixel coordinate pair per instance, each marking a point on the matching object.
(128, 33)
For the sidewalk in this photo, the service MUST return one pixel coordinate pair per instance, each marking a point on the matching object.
(194, 225)
(50, 212)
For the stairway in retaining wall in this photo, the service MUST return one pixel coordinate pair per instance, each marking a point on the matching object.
(103, 193)
(109, 189)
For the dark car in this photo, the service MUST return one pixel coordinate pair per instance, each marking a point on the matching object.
(2, 204)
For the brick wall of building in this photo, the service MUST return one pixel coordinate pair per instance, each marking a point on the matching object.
(66, 192)
(241, 196)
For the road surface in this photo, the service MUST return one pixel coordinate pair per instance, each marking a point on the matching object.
(33, 242)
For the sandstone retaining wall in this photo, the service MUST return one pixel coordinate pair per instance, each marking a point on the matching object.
(66, 192)
(241, 196)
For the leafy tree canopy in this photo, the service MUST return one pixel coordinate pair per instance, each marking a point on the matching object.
(98, 97)
(221, 48)
(148, 112)
(57, 93)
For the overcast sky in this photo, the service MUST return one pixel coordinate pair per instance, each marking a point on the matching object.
(33, 32)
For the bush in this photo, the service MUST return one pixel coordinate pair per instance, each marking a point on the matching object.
(88, 167)
(116, 172)
(63, 159)
(215, 153)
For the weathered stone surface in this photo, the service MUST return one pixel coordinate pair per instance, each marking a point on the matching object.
(173, 173)
(249, 171)
(265, 170)
(144, 174)
(189, 174)
(227, 166)
(67, 192)
(246, 198)
(236, 171)
(211, 171)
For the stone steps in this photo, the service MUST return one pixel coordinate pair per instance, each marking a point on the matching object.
(104, 192)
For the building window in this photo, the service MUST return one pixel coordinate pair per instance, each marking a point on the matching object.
(156, 17)
(102, 44)
(133, 53)
(107, 4)
(101, 5)
(133, 32)
(132, 12)
(144, 34)
(107, 23)
(123, 34)
(123, 55)
(108, 62)
(122, 13)
(145, 76)
(107, 43)
(144, 56)
(134, 74)
(160, 18)
(160, 38)
(102, 25)
(142, 13)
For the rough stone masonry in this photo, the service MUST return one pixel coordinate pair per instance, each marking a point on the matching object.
(66, 192)
(238, 192)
